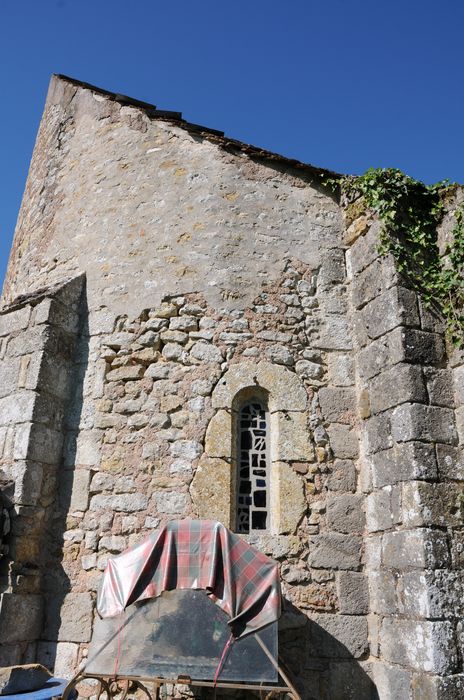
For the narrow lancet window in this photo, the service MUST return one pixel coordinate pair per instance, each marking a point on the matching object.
(253, 470)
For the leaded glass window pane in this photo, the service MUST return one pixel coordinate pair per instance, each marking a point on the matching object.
(253, 472)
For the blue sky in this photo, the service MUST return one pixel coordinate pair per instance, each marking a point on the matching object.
(342, 84)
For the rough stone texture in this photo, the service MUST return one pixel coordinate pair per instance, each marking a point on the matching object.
(21, 617)
(421, 548)
(211, 490)
(23, 679)
(291, 503)
(217, 278)
(345, 635)
(345, 513)
(70, 617)
(352, 593)
(425, 646)
(335, 551)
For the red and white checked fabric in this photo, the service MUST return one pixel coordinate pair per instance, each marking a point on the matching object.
(196, 554)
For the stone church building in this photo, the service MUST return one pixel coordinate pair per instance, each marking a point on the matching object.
(195, 327)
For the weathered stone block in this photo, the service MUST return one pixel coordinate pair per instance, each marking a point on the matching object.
(171, 502)
(80, 489)
(335, 334)
(422, 645)
(334, 551)
(423, 549)
(28, 478)
(23, 679)
(349, 680)
(68, 618)
(13, 321)
(186, 449)
(424, 503)
(439, 386)
(338, 405)
(364, 250)
(382, 593)
(395, 307)
(419, 422)
(425, 687)
(17, 407)
(86, 450)
(205, 352)
(183, 323)
(391, 681)
(112, 543)
(288, 501)
(432, 594)
(405, 461)
(127, 503)
(342, 477)
(341, 369)
(412, 345)
(332, 269)
(398, 385)
(211, 490)
(383, 509)
(21, 617)
(29, 341)
(377, 433)
(450, 462)
(343, 441)
(352, 593)
(125, 373)
(460, 423)
(55, 375)
(375, 357)
(218, 440)
(345, 512)
(337, 636)
(458, 385)
(277, 546)
(62, 657)
(290, 437)
(372, 281)
(9, 375)
(11, 654)
(286, 390)
(45, 445)
(373, 551)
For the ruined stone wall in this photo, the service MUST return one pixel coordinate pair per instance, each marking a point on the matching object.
(210, 276)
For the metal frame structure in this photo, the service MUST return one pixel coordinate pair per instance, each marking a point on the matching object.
(118, 687)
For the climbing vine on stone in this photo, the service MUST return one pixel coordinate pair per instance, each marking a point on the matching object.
(409, 212)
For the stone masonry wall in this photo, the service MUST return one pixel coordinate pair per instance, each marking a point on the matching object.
(210, 275)
(148, 453)
(411, 468)
(37, 344)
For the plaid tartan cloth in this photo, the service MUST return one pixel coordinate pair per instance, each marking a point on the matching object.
(198, 554)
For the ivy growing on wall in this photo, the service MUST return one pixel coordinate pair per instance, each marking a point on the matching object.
(410, 212)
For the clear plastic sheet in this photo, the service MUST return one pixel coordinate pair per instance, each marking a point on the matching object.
(179, 633)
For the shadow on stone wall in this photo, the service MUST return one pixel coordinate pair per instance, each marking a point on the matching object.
(320, 666)
(323, 668)
(60, 554)
(6, 506)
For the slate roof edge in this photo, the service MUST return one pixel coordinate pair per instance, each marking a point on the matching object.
(212, 134)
